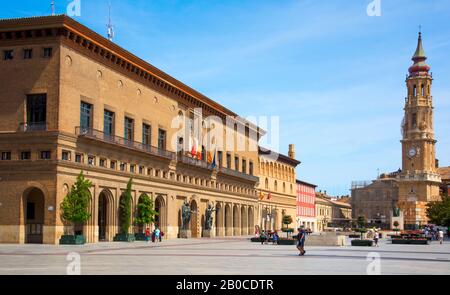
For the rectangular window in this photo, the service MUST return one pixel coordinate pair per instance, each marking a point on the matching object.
(123, 166)
(146, 134)
(31, 211)
(161, 139)
(132, 168)
(102, 162)
(46, 155)
(244, 166)
(25, 155)
(79, 158)
(129, 129)
(108, 122)
(236, 163)
(91, 160)
(141, 169)
(36, 111)
(27, 53)
(113, 165)
(6, 156)
(219, 158)
(250, 168)
(48, 52)
(8, 54)
(228, 161)
(85, 115)
(66, 155)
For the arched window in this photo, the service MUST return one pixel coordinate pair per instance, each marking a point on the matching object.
(415, 91)
(275, 186)
(423, 90)
(284, 187)
(267, 184)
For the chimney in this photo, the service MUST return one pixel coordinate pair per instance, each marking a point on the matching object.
(291, 151)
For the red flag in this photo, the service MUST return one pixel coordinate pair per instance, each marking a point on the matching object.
(194, 149)
(269, 196)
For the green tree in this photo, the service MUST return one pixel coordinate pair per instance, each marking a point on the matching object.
(125, 209)
(438, 212)
(145, 213)
(396, 224)
(361, 221)
(287, 220)
(74, 208)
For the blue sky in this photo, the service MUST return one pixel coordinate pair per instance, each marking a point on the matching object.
(334, 75)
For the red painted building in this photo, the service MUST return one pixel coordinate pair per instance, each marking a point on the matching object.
(306, 208)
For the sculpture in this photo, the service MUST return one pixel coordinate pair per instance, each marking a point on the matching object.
(186, 214)
(208, 217)
(396, 211)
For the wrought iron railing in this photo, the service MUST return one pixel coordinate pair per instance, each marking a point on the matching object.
(100, 135)
(235, 173)
(194, 162)
(33, 126)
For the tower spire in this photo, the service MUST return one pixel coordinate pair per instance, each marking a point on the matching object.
(420, 67)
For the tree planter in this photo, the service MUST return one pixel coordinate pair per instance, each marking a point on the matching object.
(139, 237)
(362, 243)
(124, 238)
(72, 240)
(409, 242)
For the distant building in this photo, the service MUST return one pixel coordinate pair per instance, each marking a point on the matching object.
(331, 213)
(445, 176)
(306, 209)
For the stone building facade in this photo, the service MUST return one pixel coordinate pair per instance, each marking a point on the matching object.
(376, 201)
(277, 188)
(74, 101)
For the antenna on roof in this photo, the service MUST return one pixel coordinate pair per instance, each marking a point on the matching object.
(110, 31)
(53, 7)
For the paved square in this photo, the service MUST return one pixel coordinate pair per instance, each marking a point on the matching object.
(222, 256)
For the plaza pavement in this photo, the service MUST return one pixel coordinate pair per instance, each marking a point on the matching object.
(224, 256)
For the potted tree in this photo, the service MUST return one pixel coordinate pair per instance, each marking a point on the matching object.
(362, 230)
(145, 215)
(125, 216)
(74, 211)
(287, 220)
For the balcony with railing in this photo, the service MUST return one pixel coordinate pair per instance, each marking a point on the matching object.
(194, 162)
(123, 142)
(238, 174)
(33, 126)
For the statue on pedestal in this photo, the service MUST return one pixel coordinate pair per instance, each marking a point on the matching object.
(208, 217)
(186, 214)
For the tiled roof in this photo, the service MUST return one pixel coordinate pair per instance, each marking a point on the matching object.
(445, 173)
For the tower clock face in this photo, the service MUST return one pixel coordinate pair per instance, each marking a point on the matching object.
(412, 152)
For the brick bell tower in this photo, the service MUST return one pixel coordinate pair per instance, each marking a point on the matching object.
(418, 180)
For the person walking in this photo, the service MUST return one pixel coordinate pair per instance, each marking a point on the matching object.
(147, 235)
(301, 241)
(376, 236)
(441, 236)
(157, 235)
(275, 238)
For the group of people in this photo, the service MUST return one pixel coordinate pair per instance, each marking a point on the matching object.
(155, 236)
(435, 233)
(266, 236)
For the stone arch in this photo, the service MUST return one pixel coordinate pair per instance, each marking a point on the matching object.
(228, 220)
(161, 217)
(105, 215)
(244, 221)
(33, 199)
(251, 220)
(219, 219)
(236, 223)
(194, 220)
